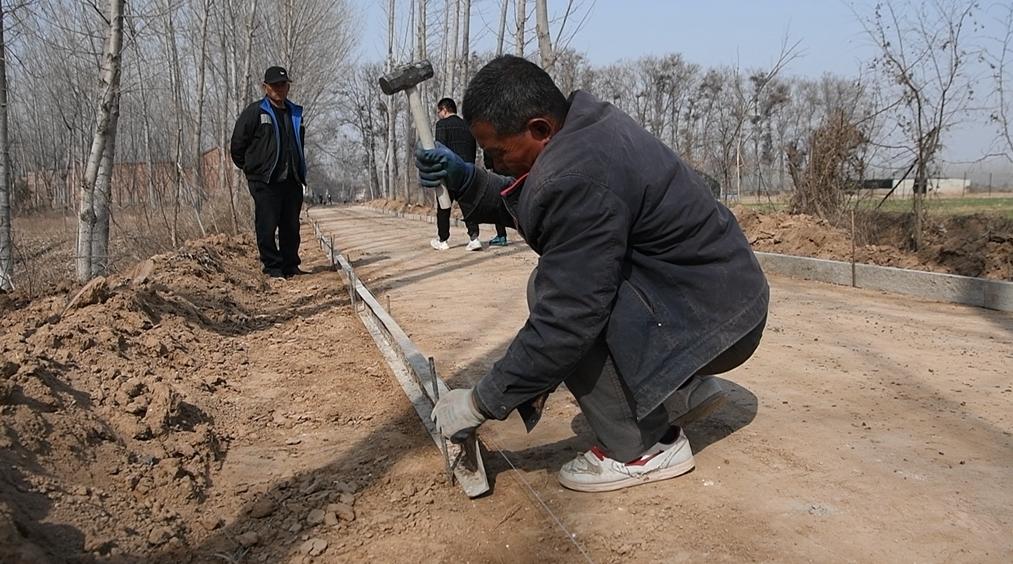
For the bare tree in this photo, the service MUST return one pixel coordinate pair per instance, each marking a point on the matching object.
(391, 157)
(545, 53)
(198, 131)
(105, 134)
(503, 4)
(922, 52)
(445, 45)
(103, 196)
(452, 61)
(465, 53)
(1000, 60)
(6, 239)
(248, 56)
(827, 167)
(521, 13)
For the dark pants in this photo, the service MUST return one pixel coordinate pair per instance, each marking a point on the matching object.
(607, 403)
(277, 208)
(443, 226)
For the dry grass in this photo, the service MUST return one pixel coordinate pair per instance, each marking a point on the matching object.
(45, 243)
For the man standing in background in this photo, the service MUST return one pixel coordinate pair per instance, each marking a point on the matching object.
(267, 144)
(454, 133)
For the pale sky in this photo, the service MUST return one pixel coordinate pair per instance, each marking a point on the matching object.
(712, 33)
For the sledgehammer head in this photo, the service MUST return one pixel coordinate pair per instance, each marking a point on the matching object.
(406, 76)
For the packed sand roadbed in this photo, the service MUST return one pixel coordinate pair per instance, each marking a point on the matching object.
(868, 427)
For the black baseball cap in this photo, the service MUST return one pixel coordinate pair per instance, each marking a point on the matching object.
(274, 75)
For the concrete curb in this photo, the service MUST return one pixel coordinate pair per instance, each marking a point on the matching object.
(950, 288)
(967, 290)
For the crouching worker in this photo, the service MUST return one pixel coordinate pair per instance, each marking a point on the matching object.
(645, 284)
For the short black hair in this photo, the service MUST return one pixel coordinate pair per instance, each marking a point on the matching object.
(447, 104)
(509, 91)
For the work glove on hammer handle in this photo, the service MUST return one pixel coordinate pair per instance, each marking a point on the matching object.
(440, 165)
(456, 414)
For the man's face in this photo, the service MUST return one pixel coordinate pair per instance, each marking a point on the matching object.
(277, 92)
(442, 113)
(515, 153)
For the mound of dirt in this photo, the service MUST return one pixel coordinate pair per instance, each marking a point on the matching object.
(193, 411)
(974, 245)
(106, 395)
(979, 245)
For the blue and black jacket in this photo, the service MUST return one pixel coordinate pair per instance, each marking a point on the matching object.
(255, 143)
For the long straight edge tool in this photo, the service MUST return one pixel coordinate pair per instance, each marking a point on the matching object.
(406, 78)
(443, 440)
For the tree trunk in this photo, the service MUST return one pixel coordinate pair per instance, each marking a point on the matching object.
(421, 38)
(246, 93)
(154, 196)
(454, 37)
(446, 48)
(421, 52)
(917, 202)
(502, 26)
(103, 197)
(198, 167)
(545, 53)
(522, 20)
(230, 80)
(289, 33)
(104, 132)
(248, 57)
(465, 44)
(182, 183)
(391, 160)
(6, 237)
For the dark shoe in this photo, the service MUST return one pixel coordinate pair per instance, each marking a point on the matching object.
(274, 273)
(290, 272)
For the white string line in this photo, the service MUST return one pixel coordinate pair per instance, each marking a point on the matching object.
(571, 536)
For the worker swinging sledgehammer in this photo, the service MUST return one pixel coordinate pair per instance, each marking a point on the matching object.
(645, 285)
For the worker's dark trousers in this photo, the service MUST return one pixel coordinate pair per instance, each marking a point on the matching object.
(607, 402)
(443, 226)
(276, 211)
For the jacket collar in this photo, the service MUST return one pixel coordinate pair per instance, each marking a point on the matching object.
(517, 183)
(291, 106)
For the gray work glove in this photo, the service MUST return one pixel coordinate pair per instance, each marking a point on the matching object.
(456, 415)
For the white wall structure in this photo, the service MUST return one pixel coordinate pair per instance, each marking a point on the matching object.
(937, 187)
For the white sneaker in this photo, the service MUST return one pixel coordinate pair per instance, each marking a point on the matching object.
(439, 245)
(474, 245)
(595, 472)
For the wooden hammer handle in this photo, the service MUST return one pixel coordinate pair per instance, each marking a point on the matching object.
(425, 137)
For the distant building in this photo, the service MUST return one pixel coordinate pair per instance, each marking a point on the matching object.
(904, 188)
(131, 182)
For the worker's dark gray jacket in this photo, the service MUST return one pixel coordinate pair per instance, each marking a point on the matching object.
(632, 245)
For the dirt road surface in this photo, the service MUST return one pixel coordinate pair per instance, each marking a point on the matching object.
(868, 426)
